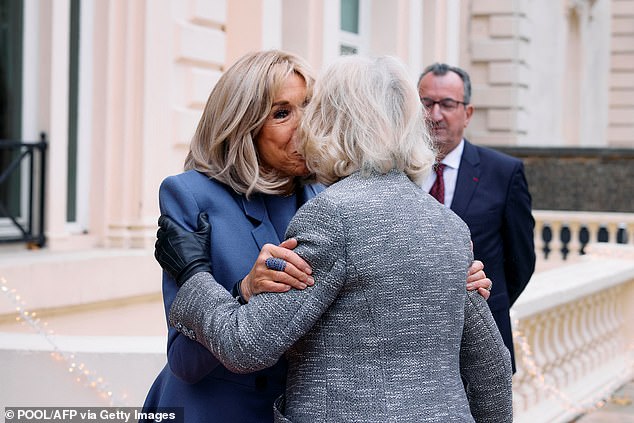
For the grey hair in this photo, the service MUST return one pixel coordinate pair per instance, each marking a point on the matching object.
(223, 146)
(440, 69)
(365, 116)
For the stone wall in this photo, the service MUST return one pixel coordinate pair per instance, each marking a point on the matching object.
(583, 179)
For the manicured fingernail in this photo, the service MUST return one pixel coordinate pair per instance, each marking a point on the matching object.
(310, 281)
(302, 286)
(470, 286)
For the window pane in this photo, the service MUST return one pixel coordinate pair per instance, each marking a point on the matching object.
(10, 101)
(73, 88)
(350, 16)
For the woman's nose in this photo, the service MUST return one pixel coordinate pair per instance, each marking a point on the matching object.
(297, 117)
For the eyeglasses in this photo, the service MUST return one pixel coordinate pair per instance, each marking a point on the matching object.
(446, 104)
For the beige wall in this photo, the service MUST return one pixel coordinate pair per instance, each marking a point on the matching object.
(551, 73)
(621, 80)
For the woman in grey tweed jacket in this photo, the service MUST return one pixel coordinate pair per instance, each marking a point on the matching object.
(387, 333)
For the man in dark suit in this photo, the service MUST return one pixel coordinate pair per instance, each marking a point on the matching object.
(486, 188)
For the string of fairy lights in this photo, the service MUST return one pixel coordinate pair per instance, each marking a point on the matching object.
(530, 366)
(77, 369)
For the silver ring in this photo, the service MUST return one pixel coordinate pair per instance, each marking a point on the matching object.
(275, 263)
(489, 287)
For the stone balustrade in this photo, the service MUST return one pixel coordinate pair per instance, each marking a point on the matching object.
(565, 234)
(574, 341)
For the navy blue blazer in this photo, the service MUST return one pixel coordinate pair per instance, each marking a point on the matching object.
(492, 198)
(193, 378)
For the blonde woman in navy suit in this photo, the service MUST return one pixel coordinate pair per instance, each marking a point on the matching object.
(232, 174)
(387, 333)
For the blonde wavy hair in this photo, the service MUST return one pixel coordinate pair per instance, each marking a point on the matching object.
(223, 146)
(365, 115)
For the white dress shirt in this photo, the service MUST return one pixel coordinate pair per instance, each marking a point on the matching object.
(450, 174)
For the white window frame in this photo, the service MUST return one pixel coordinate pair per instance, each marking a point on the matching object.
(334, 37)
(31, 100)
(30, 89)
(84, 117)
(360, 41)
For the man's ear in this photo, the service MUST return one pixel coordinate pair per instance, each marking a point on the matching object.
(469, 112)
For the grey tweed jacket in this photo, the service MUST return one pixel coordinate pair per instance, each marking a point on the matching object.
(388, 329)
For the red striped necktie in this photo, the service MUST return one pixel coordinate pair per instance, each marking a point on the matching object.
(438, 189)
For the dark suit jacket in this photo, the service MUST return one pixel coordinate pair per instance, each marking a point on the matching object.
(492, 198)
(193, 377)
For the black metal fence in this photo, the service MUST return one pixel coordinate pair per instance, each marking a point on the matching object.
(22, 191)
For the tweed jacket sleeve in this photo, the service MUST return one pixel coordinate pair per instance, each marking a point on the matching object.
(254, 336)
(485, 364)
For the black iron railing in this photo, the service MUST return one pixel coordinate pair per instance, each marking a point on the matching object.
(25, 163)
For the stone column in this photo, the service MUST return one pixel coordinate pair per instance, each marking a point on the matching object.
(495, 52)
(157, 63)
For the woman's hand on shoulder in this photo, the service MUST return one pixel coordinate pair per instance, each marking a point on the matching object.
(477, 279)
(267, 275)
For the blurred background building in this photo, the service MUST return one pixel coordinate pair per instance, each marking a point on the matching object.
(99, 99)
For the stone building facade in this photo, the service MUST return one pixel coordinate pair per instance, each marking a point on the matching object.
(118, 86)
